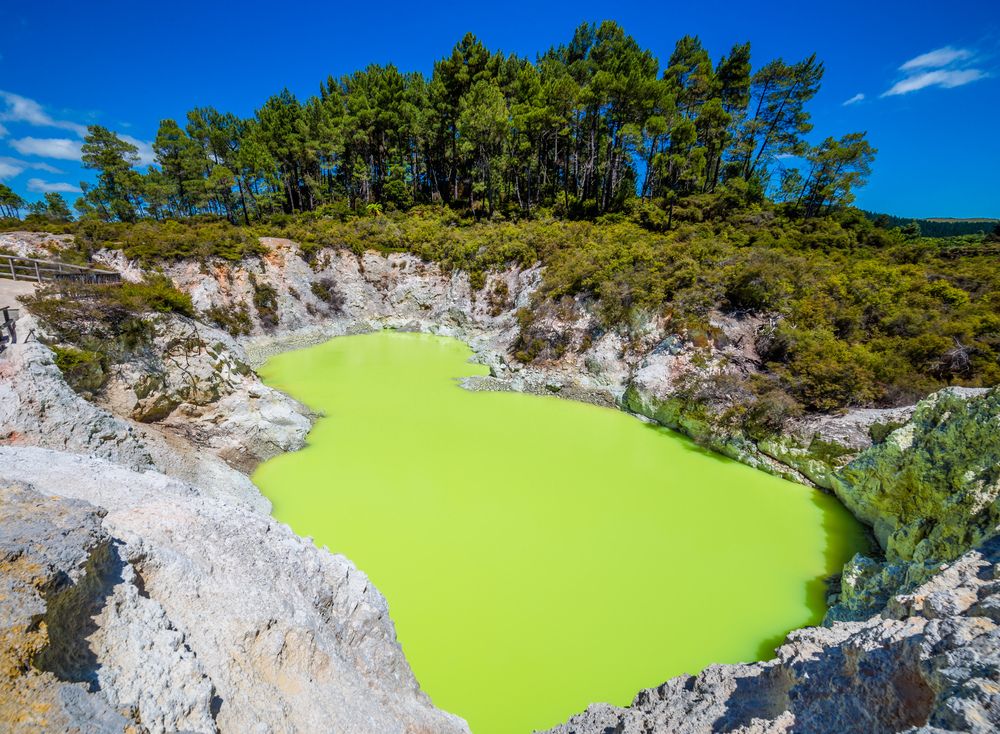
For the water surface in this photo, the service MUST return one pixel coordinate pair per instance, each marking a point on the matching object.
(540, 554)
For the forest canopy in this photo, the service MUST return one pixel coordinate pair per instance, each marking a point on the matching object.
(582, 130)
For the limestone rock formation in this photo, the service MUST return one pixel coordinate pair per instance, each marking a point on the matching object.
(186, 362)
(211, 616)
(38, 408)
(338, 290)
(194, 380)
(50, 551)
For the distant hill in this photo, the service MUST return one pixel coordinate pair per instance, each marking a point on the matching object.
(940, 226)
(957, 219)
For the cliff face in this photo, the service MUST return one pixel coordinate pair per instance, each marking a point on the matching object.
(930, 490)
(650, 371)
(299, 639)
(289, 302)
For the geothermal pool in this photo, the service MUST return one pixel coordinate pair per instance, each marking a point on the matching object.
(540, 554)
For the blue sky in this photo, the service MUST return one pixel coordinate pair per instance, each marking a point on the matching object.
(924, 76)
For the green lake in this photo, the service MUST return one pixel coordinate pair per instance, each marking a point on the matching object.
(540, 554)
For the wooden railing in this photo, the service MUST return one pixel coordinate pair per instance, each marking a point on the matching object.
(14, 267)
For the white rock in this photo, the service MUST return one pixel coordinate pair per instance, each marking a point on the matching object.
(290, 637)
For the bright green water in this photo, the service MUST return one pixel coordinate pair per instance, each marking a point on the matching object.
(540, 554)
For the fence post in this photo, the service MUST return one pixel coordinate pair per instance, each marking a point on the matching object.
(38, 274)
(13, 273)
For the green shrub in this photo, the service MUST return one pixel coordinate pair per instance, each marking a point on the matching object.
(265, 300)
(150, 241)
(325, 290)
(235, 319)
(82, 368)
(157, 293)
(769, 410)
(102, 324)
(98, 318)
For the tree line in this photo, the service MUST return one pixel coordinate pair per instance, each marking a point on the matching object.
(584, 129)
(937, 228)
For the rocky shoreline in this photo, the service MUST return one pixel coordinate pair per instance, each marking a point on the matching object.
(155, 468)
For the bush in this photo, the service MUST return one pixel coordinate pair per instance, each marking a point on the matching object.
(150, 241)
(325, 290)
(236, 319)
(651, 217)
(82, 368)
(825, 373)
(97, 325)
(157, 293)
(100, 323)
(265, 300)
(769, 411)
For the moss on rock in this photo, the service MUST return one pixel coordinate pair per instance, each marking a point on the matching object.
(930, 489)
(930, 492)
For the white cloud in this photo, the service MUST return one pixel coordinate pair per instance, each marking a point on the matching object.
(9, 170)
(10, 167)
(855, 99)
(947, 67)
(946, 78)
(46, 187)
(146, 154)
(61, 148)
(937, 58)
(22, 109)
(70, 150)
(44, 167)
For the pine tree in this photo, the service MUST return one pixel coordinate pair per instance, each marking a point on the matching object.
(10, 202)
(118, 193)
